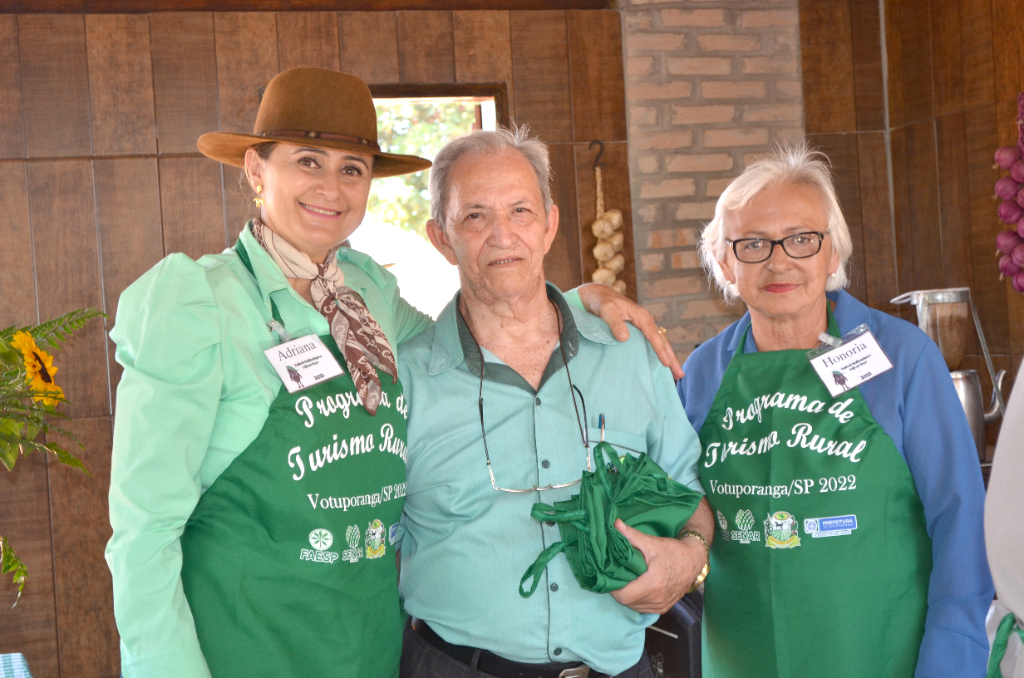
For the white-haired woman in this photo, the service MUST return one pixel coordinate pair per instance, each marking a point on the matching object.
(851, 525)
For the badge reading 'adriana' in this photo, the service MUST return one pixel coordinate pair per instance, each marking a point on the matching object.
(781, 531)
(303, 362)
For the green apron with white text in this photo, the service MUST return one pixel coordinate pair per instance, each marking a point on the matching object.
(288, 559)
(821, 560)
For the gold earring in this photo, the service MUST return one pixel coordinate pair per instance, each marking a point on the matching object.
(258, 200)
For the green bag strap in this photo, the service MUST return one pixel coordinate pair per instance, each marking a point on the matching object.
(602, 472)
(538, 567)
(1007, 625)
(551, 514)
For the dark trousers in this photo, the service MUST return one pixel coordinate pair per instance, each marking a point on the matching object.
(420, 659)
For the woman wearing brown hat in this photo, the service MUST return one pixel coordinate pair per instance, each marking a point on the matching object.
(258, 468)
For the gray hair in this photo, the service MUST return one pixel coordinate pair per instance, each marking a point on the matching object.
(798, 165)
(483, 142)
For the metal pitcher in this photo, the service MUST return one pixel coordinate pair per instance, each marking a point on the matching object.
(941, 314)
(968, 387)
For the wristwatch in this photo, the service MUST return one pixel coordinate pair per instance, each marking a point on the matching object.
(707, 558)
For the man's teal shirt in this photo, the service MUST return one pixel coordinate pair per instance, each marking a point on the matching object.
(465, 545)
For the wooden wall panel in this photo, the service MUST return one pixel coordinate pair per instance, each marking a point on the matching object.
(562, 262)
(483, 48)
(1007, 38)
(246, 61)
(989, 295)
(922, 179)
(894, 58)
(976, 55)
(17, 274)
(917, 60)
(184, 79)
(947, 75)
(120, 84)
(56, 99)
(827, 61)
(595, 69)
(867, 65)
(426, 51)
(85, 606)
(68, 275)
(238, 205)
(954, 201)
(842, 150)
(192, 207)
(615, 183)
(307, 39)
(880, 277)
(31, 627)
(12, 122)
(130, 233)
(903, 235)
(369, 46)
(540, 57)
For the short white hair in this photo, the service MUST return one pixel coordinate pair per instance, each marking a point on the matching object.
(794, 165)
(485, 142)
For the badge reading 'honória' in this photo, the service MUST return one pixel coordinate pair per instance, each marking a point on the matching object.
(375, 545)
(781, 531)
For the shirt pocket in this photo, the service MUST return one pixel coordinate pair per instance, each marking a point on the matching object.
(623, 442)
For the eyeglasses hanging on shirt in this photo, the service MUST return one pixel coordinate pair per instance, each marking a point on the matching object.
(573, 391)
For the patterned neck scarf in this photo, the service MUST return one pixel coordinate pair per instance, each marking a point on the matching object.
(354, 330)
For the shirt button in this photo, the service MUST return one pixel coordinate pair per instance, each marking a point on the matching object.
(545, 463)
(558, 651)
(554, 587)
(537, 401)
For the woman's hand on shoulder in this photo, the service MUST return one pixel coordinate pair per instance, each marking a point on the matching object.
(616, 310)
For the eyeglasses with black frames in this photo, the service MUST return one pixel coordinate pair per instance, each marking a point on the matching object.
(797, 246)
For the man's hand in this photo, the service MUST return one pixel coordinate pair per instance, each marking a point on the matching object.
(672, 567)
(616, 310)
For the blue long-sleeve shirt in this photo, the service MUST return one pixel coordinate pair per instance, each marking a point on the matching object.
(915, 404)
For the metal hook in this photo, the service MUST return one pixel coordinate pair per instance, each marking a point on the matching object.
(597, 160)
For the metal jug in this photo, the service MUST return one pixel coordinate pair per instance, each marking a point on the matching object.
(968, 387)
(942, 315)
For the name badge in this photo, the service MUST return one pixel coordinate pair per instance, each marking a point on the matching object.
(857, 358)
(303, 362)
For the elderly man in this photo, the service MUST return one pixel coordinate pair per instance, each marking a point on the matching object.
(509, 387)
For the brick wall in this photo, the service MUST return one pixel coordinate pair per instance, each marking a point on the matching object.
(709, 85)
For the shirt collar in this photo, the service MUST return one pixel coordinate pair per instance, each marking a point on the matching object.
(453, 342)
(271, 279)
(743, 323)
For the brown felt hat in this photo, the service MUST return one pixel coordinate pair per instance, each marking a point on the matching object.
(314, 107)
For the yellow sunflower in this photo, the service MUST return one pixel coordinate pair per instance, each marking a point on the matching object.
(24, 342)
(39, 370)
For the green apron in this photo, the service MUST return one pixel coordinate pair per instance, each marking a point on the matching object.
(288, 561)
(821, 563)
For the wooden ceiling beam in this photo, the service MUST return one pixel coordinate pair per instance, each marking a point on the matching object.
(146, 6)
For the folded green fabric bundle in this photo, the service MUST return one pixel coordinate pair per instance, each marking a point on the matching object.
(634, 489)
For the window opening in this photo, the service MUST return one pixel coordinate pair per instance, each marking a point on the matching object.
(394, 230)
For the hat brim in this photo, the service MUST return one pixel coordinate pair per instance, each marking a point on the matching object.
(229, 148)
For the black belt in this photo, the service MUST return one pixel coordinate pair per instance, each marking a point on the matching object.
(499, 666)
